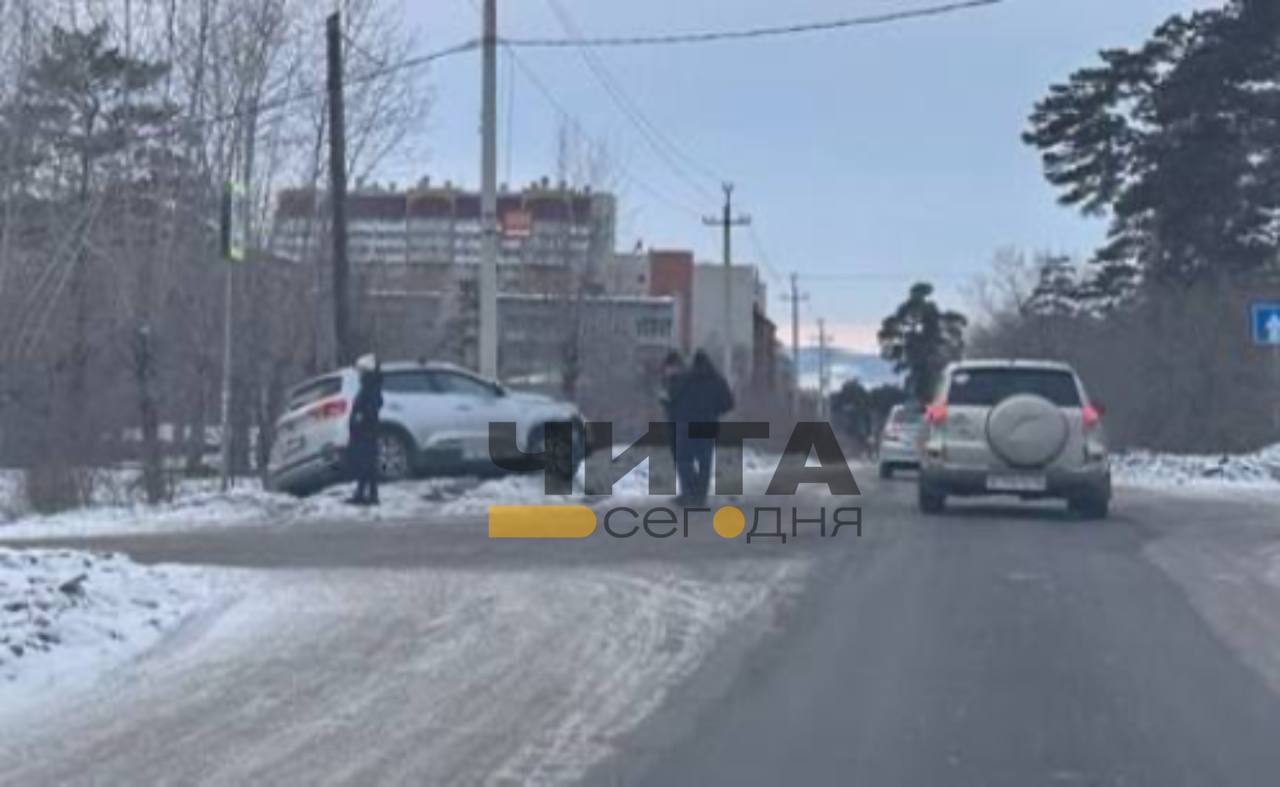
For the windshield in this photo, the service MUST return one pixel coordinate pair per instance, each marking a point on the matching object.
(989, 387)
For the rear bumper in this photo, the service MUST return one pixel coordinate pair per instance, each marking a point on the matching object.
(308, 474)
(899, 455)
(1060, 482)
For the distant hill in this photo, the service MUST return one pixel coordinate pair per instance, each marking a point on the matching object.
(869, 369)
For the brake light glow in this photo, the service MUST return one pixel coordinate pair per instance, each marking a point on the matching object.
(935, 414)
(1090, 417)
(330, 409)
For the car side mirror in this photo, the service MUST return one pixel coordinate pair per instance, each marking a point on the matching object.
(499, 391)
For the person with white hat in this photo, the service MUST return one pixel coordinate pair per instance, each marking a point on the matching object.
(362, 447)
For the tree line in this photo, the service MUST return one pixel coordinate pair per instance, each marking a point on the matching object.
(1172, 142)
(120, 123)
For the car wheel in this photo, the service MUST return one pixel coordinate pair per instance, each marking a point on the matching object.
(886, 470)
(1091, 505)
(931, 501)
(395, 456)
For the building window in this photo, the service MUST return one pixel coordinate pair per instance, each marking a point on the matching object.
(653, 328)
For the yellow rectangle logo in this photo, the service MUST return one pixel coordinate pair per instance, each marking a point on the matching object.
(541, 522)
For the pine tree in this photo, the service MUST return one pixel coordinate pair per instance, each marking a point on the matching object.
(1175, 142)
(921, 339)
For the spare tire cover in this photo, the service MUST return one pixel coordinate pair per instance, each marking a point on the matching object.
(1027, 430)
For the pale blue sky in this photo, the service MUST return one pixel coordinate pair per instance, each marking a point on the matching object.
(878, 155)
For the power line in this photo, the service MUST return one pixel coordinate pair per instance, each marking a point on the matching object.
(569, 118)
(662, 145)
(756, 32)
(294, 97)
(763, 255)
(360, 50)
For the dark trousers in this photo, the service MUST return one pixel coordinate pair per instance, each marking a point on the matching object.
(364, 466)
(693, 463)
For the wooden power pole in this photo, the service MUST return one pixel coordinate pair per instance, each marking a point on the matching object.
(343, 351)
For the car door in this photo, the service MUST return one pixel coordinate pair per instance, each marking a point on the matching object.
(409, 401)
(472, 404)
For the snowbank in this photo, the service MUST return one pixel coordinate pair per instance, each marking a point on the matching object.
(1144, 468)
(201, 505)
(65, 616)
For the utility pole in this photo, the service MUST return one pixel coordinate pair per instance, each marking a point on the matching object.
(824, 371)
(489, 197)
(228, 337)
(233, 244)
(338, 194)
(795, 299)
(727, 222)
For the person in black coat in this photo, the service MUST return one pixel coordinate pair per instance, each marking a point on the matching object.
(700, 396)
(362, 447)
(673, 372)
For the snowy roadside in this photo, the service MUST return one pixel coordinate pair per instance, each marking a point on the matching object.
(201, 505)
(454, 676)
(67, 616)
(1228, 558)
(1258, 472)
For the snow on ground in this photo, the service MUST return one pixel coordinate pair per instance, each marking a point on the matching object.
(1199, 473)
(65, 616)
(525, 676)
(200, 504)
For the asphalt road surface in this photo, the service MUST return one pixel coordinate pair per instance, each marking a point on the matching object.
(997, 645)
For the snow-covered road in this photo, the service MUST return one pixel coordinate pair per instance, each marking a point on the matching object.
(366, 676)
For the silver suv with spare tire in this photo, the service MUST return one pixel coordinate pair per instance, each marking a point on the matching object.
(1021, 428)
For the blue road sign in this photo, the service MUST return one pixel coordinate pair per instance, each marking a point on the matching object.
(1265, 320)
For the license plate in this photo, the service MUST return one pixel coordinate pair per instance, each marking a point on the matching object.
(1016, 483)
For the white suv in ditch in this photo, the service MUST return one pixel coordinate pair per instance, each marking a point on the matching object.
(435, 420)
(1023, 428)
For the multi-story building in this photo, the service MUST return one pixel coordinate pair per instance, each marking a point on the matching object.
(415, 255)
(541, 226)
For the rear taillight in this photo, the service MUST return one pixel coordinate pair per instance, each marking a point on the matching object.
(935, 414)
(328, 410)
(1090, 417)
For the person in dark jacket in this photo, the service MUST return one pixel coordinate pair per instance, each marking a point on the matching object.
(362, 447)
(673, 371)
(701, 396)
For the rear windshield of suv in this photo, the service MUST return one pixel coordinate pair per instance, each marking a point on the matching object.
(988, 387)
(314, 391)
